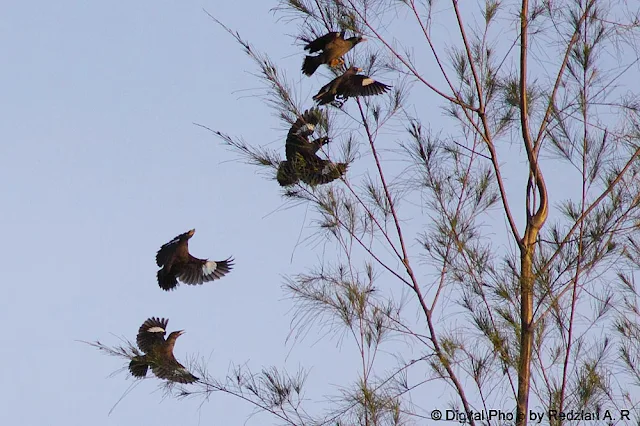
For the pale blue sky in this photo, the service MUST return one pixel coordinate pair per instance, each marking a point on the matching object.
(100, 165)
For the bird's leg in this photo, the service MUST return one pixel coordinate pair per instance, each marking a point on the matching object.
(336, 62)
(338, 103)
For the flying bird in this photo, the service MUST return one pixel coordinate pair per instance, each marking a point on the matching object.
(323, 171)
(302, 161)
(333, 46)
(349, 85)
(313, 173)
(287, 174)
(158, 353)
(177, 264)
(298, 142)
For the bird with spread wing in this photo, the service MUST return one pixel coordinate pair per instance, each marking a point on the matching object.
(177, 264)
(302, 162)
(349, 85)
(332, 47)
(158, 353)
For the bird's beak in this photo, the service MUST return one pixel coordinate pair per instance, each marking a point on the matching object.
(359, 69)
(181, 332)
(363, 39)
(191, 232)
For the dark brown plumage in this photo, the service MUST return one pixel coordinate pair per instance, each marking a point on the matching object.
(178, 264)
(313, 173)
(298, 142)
(158, 353)
(349, 85)
(287, 174)
(302, 161)
(333, 46)
(322, 171)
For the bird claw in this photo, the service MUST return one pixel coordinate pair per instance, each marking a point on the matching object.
(338, 103)
(335, 63)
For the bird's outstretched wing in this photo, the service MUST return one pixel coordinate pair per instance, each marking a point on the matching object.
(151, 333)
(361, 85)
(321, 42)
(173, 371)
(198, 271)
(323, 172)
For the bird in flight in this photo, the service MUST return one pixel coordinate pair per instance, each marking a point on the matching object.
(349, 85)
(158, 353)
(333, 46)
(302, 162)
(177, 264)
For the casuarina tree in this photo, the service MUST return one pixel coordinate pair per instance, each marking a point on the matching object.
(487, 229)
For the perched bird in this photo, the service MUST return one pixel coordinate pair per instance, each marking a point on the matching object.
(176, 263)
(302, 161)
(333, 45)
(158, 353)
(349, 85)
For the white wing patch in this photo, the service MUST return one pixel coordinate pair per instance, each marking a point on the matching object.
(307, 129)
(209, 267)
(208, 271)
(156, 330)
(368, 81)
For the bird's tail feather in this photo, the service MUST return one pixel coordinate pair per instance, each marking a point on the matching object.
(138, 366)
(311, 64)
(166, 281)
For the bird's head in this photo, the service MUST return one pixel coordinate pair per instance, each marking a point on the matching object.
(355, 70)
(175, 334)
(171, 340)
(190, 233)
